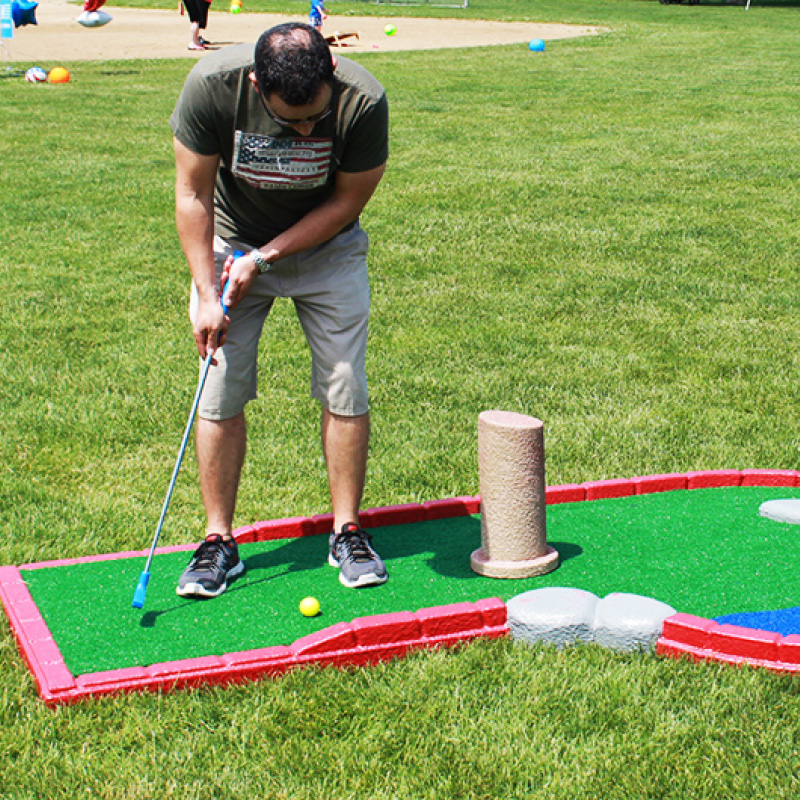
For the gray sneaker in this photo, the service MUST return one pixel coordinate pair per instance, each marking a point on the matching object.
(359, 564)
(213, 564)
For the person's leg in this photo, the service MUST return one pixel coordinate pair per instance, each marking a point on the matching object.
(194, 11)
(333, 308)
(332, 305)
(220, 454)
(203, 21)
(194, 37)
(221, 446)
(221, 432)
(345, 442)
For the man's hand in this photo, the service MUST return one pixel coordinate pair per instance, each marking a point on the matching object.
(239, 274)
(210, 327)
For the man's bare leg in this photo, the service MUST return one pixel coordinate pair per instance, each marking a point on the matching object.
(345, 442)
(221, 446)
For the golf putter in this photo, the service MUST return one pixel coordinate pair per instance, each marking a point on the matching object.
(140, 594)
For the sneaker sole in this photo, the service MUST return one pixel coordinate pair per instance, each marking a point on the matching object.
(198, 590)
(368, 579)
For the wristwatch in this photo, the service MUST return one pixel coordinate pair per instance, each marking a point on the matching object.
(260, 262)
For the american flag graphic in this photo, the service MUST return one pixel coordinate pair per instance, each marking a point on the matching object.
(266, 162)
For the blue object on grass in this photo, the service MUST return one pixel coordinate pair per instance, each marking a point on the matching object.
(536, 45)
(23, 12)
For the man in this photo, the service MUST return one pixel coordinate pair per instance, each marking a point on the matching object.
(277, 152)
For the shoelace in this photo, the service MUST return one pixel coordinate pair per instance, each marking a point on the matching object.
(210, 555)
(355, 543)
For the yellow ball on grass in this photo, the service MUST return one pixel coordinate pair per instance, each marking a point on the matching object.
(309, 606)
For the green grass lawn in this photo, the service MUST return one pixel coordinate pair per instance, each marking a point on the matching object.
(604, 236)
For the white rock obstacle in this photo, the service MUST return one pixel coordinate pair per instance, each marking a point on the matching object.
(565, 616)
(781, 510)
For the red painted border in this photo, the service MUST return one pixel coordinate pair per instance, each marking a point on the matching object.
(369, 640)
(701, 639)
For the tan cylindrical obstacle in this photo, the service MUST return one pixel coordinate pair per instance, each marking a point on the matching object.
(512, 486)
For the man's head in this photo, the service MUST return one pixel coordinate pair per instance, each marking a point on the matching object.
(294, 62)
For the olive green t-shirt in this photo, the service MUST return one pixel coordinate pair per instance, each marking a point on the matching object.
(269, 176)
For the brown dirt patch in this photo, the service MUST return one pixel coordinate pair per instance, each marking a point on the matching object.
(137, 33)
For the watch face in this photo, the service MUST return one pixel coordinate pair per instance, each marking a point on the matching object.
(259, 261)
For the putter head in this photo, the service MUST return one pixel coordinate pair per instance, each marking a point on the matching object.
(140, 594)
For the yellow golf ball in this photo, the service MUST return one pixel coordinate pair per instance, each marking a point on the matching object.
(309, 606)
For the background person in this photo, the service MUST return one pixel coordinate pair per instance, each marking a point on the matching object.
(317, 14)
(198, 20)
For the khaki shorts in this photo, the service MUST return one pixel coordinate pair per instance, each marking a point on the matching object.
(330, 289)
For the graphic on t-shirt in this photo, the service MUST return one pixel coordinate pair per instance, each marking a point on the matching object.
(266, 162)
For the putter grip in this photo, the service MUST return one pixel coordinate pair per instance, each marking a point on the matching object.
(236, 254)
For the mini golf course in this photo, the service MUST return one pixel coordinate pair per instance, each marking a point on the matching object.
(695, 541)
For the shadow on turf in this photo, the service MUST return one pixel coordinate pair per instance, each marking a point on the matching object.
(149, 618)
(447, 545)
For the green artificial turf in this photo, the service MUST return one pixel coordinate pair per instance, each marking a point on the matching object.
(704, 551)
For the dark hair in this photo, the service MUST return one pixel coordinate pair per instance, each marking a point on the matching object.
(294, 61)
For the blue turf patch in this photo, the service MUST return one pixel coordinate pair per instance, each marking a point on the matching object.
(785, 621)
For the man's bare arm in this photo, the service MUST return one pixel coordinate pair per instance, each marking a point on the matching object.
(194, 214)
